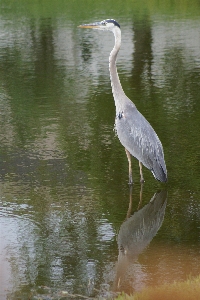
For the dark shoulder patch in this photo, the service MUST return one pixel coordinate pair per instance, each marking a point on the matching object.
(120, 115)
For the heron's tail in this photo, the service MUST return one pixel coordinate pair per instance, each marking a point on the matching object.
(160, 172)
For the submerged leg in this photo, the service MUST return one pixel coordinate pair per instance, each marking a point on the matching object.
(130, 168)
(141, 191)
(130, 203)
(141, 175)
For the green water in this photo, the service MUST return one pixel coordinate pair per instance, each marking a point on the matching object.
(64, 194)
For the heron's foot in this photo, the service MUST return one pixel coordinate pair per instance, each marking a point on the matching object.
(130, 180)
(142, 180)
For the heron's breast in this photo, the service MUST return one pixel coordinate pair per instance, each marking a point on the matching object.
(123, 128)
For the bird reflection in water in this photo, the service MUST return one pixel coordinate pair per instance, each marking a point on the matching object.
(135, 234)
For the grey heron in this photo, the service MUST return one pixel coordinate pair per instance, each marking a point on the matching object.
(134, 131)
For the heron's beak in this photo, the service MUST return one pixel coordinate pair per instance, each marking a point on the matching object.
(96, 25)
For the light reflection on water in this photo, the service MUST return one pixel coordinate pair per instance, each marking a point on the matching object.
(63, 174)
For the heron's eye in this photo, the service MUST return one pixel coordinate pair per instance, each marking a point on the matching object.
(103, 23)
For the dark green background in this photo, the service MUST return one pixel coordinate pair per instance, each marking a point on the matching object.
(63, 174)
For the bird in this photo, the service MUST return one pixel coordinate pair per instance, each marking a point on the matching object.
(133, 130)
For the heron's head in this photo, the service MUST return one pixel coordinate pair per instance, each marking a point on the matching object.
(107, 25)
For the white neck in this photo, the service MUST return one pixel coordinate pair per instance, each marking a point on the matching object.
(117, 90)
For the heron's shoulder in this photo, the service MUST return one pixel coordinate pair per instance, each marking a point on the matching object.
(131, 112)
(128, 106)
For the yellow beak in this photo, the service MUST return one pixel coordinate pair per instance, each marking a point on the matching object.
(96, 25)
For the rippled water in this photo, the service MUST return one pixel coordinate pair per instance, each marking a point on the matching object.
(68, 220)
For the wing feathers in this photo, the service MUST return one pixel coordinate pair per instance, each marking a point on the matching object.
(139, 138)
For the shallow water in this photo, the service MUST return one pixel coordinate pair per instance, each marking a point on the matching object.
(68, 220)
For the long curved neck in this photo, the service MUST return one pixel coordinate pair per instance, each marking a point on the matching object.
(117, 90)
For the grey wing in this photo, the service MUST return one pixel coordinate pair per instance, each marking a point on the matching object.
(139, 138)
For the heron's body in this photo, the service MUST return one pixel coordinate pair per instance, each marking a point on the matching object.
(134, 131)
(138, 132)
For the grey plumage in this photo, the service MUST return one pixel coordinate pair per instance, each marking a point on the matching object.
(138, 132)
(134, 131)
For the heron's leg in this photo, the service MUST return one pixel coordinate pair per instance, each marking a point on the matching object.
(130, 168)
(141, 175)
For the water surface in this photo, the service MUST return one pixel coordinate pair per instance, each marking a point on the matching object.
(68, 220)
